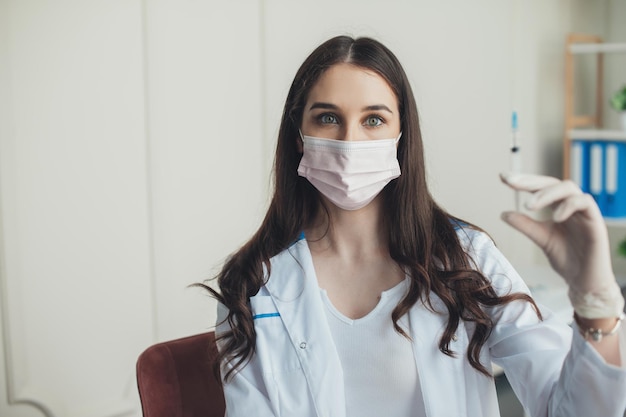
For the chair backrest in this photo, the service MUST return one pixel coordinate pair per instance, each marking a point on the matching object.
(176, 379)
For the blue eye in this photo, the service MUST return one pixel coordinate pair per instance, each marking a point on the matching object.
(373, 121)
(328, 118)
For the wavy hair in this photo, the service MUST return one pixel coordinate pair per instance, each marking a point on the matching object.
(422, 237)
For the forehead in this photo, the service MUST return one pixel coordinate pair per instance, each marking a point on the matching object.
(344, 84)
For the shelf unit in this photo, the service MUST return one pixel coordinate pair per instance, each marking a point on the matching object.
(594, 134)
(586, 126)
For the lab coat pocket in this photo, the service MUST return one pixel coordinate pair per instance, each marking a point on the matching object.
(274, 348)
(278, 358)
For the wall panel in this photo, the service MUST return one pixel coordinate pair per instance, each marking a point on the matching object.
(206, 142)
(76, 306)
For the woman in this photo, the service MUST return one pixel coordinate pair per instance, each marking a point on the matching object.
(360, 296)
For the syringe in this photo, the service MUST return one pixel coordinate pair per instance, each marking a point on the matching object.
(516, 154)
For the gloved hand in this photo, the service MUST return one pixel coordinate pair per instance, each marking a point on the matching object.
(575, 240)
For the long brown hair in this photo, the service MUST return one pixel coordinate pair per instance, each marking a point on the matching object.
(422, 236)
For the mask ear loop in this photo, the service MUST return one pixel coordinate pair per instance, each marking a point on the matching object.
(301, 144)
(397, 139)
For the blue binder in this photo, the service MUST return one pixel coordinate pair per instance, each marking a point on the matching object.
(615, 179)
(596, 174)
(579, 163)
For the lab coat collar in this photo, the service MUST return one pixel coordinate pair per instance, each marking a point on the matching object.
(296, 294)
(291, 271)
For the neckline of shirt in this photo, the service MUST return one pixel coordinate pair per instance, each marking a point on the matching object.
(394, 293)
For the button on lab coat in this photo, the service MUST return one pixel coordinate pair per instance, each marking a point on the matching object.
(296, 371)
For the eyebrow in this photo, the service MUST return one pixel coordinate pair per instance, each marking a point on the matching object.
(330, 106)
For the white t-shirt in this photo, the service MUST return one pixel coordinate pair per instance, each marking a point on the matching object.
(380, 375)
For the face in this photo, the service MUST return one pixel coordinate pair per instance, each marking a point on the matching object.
(353, 104)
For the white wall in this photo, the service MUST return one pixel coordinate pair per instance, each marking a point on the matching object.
(75, 232)
(136, 139)
(130, 141)
(205, 144)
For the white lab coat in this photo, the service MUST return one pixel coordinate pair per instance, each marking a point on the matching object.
(296, 370)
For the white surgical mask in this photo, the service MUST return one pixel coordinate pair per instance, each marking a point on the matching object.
(349, 173)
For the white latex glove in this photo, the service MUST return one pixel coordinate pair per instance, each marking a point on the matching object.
(575, 240)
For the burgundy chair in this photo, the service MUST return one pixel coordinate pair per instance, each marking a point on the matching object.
(176, 379)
